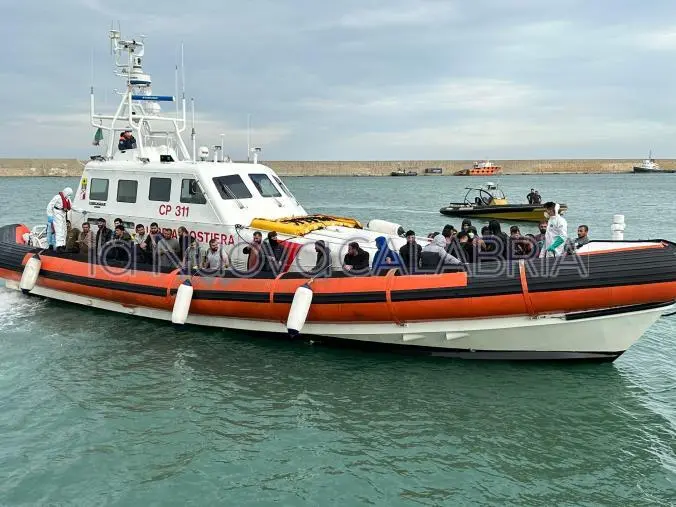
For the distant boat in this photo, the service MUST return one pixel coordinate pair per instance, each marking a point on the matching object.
(489, 201)
(403, 172)
(650, 166)
(434, 170)
(480, 168)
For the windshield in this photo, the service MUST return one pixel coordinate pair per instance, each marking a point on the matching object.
(232, 187)
(283, 187)
(264, 185)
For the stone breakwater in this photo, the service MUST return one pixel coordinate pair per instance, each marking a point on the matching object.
(73, 167)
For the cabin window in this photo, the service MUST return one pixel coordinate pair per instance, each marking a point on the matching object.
(283, 186)
(232, 187)
(191, 192)
(264, 185)
(98, 190)
(160, 189)
(126, 190)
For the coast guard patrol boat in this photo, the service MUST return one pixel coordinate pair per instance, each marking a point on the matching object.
(212, 196)
(593, 305)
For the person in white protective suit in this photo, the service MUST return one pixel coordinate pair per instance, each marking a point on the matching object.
(557, 232)
(57, 211)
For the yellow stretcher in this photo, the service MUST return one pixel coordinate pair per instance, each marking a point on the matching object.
(299, 226)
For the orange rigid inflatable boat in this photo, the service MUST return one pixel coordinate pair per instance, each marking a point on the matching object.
(587, 306)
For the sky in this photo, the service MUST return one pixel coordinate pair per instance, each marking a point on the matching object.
(358, 79)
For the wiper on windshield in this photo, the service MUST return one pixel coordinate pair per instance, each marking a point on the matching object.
(228, 191)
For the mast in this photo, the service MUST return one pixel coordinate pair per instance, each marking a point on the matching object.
(139, 109)
(193, 134)
(248, 136)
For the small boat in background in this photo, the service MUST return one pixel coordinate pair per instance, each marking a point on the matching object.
(490, 202)
(404, 172)
(434, 170)
(650, 166)
(480, 168)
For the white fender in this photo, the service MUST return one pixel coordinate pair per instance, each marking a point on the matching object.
(384, 227)
(300, 307)
(617, 228)
(179, 313)
(30, 274)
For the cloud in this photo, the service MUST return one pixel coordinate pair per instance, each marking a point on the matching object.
(658, 40)
(361, 79)
(477, 94)
(394, 15)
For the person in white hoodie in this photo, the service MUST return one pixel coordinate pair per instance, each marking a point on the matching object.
(57, 211)
(434, 254)
(557, 231)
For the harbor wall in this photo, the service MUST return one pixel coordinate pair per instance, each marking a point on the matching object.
(73, 167)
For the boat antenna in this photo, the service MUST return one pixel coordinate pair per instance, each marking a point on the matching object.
(91, 65)
(112, 41)
(192, 135)
(248, 136)
(182, 70)
(176, 84)
(183, 85)
(222, 147)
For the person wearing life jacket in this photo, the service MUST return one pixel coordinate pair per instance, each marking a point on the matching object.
(57, 211)
(557, 231)
(127, 141)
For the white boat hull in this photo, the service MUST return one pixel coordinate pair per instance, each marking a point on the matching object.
(555, 336)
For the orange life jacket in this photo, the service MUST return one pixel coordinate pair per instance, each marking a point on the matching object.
(65, 202)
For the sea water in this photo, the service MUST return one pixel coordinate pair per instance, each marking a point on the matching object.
(99, 408)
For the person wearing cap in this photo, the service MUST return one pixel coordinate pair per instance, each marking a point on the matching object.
(410, 253)
(127, 141)
(272, 252)
(57, 211)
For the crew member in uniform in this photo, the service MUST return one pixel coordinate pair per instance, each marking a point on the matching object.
(127, 141)
(57, 209)
(557, 231)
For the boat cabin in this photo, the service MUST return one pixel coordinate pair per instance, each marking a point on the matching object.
(146, 172)
(486, 195)
(203, 192)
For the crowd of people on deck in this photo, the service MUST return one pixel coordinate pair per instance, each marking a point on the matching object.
(448, 249)
(452, 248)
